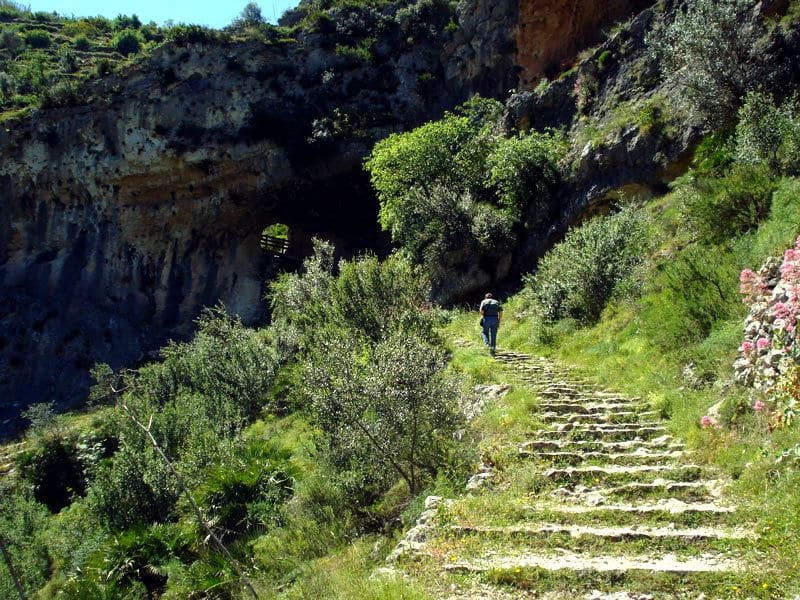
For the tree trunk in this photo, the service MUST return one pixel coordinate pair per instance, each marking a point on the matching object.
(12, 571)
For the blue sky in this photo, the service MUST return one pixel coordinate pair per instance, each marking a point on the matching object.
(212, 14)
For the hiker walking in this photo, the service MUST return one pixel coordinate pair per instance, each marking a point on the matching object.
(491, 313)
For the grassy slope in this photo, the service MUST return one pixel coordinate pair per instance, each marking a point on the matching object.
(623, 352)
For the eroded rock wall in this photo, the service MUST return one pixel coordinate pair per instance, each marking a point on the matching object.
(550, 33)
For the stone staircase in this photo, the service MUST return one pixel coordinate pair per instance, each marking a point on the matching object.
(600, 503)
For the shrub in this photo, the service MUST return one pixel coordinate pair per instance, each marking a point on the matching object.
(61, 93)
(12, 10)
(127, 41)
(82, 43)
(768, 134)
(7, 86)
(123, 22)
(696, 294)
(22, 522)
(68, 61)
(581, 274)
(10, 40)
(524, 170)
(249, 17)
(368, 298)
(104, 67)
(355, 54)
(37, 38)
(388, 411)
(711, 52)
(717, 209)
(182, 35)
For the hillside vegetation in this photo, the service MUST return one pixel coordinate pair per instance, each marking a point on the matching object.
(286, 461)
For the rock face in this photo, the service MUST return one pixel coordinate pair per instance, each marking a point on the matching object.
(550, 34)
(121, 219)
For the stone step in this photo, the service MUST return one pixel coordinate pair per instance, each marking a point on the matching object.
(621, 458)
(661, 511)
(616, 434)
(599, 417)
(554, 445)
(605, 473)
(609, 533)
(699, 491)
(591, 426)
(587, 408)
(668, 563)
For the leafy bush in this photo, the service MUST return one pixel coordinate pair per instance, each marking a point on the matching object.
(443, 186)
(61, 93)
(368, 298)
(388, 411)
(127, 41)
(191, 34)
(104, 67)
(768, 134)
(22, 522)
(37, 38)
(711, 52)
(581, 274)
(355, 54)
(123, 22)
(10, 40)
(249, 17)
(82, 43)
(12, 10)
(523, 169)
(716, 209)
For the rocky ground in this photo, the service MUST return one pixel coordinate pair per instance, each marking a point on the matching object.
(600, 502)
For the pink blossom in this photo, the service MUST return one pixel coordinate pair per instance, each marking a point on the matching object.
(762, 343)
(747, 276)
(781, 310)
(747, 347)
(759, 406)
(707, 421)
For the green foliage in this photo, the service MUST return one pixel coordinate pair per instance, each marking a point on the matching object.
(769, 135)
(183, 34)
(37, 38)
(603, 59)
(247, 491)
(375, 371)
(581, 274)
(123, 22)
(250, 16)
(356, 54)
(711, 51)
(695, 295)
(127, 41)
(196, 400)
(22, 521)
(523, 169)
(716, 209)
(458, 184)
(387, 410)
(368, 299)
(82, 43)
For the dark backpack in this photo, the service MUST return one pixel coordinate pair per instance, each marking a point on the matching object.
(491, 308)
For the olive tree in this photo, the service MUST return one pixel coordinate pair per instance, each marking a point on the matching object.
(711, 51)
(388, 411)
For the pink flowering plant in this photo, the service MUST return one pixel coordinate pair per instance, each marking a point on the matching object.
(769, 345)
(769, 356)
